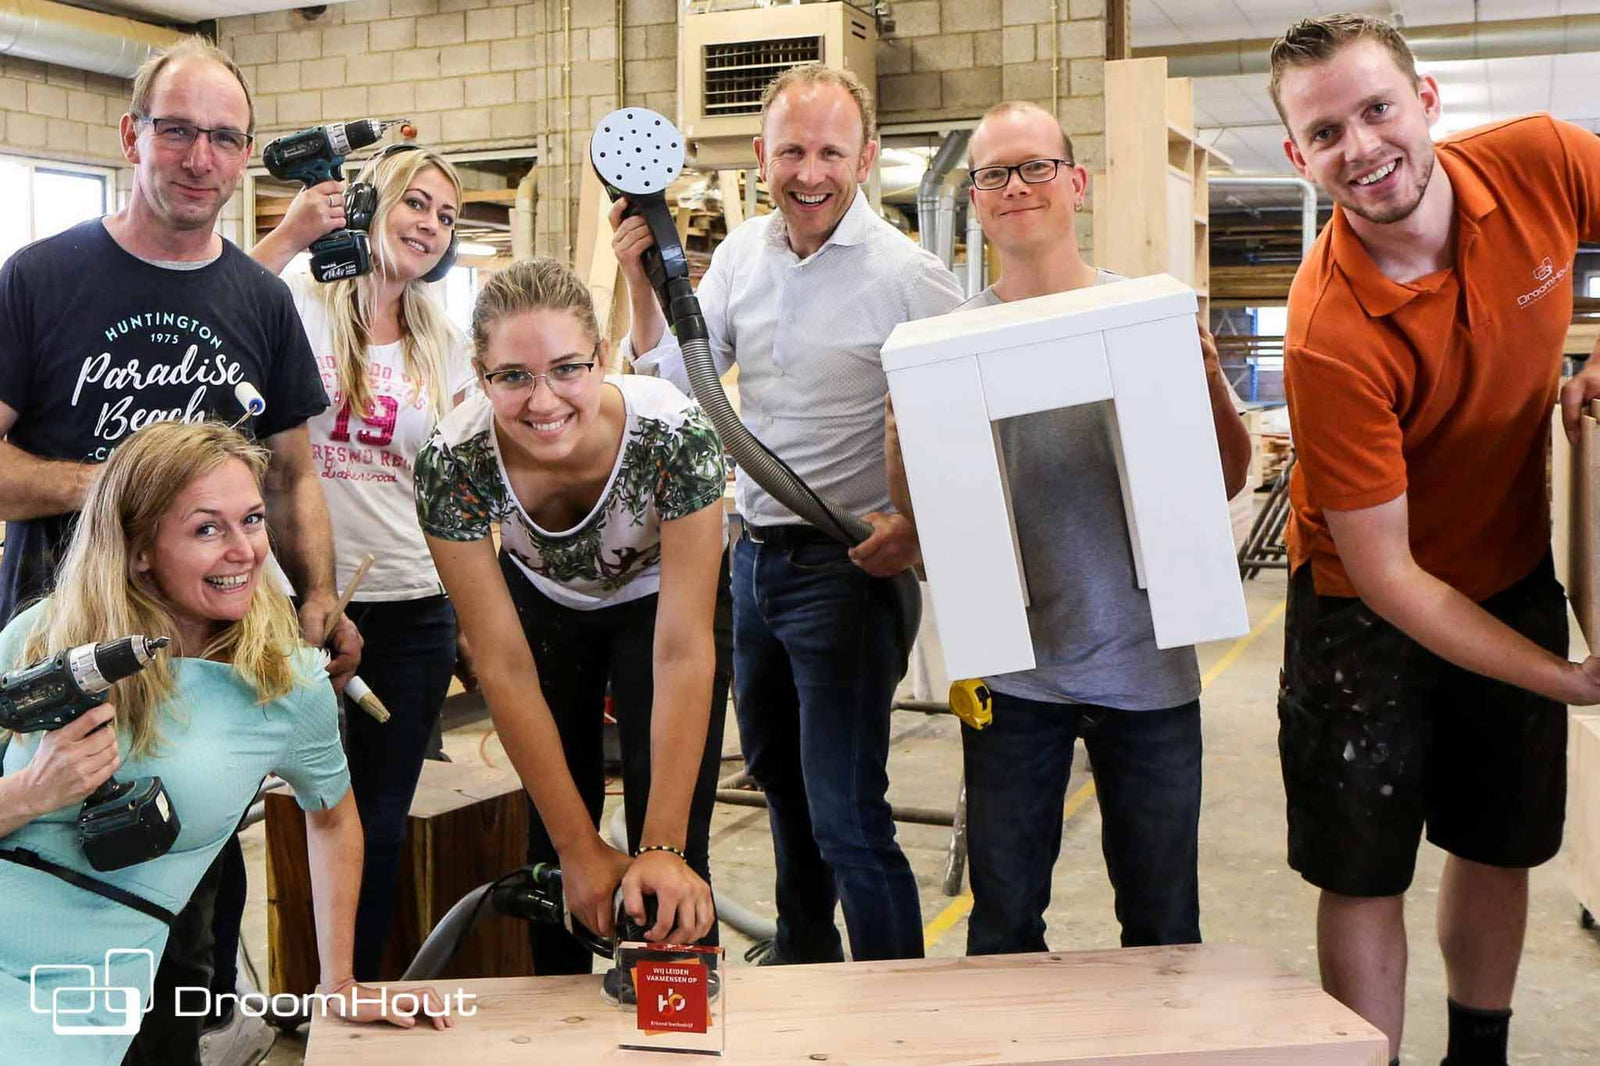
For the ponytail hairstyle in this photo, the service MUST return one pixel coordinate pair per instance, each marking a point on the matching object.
(538, 284)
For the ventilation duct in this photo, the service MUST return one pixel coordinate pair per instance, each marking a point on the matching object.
(72, 37)
(728, 57)
(1471, 40)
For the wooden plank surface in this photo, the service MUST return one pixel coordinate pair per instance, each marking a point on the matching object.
(1561, 499)
(1199, 1006)
(1583, 808)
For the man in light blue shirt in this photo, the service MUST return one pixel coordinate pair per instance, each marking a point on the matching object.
(802, 300)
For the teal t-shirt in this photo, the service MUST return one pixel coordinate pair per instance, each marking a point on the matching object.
(217, 743)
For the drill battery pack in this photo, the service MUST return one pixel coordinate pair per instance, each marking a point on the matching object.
(132, 822)
(344, 253)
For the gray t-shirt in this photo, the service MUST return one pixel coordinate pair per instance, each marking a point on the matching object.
(1093, 638)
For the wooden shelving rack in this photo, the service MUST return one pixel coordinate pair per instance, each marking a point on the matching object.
(1152, 203)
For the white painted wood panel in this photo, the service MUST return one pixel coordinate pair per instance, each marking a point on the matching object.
(1133, 343)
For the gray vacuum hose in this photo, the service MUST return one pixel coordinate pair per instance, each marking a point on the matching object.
(446, 936)
(767, 470)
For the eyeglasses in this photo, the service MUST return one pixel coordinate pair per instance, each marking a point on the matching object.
(1034, 172)
(179, 135)
(563, 379)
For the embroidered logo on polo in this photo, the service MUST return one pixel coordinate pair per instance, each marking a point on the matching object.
(1548, 277)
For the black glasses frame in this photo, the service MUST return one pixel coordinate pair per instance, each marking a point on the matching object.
(1017, 170)
(492, 377)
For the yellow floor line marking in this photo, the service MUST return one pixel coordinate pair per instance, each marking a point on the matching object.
(946, 919)
(961, 906)
(1241, 644)
(1078, 799)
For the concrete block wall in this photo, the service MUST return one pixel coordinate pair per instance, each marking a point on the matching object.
(53, 112)
(470, 74)
(955, 58)
(498, 73)
(474, 74)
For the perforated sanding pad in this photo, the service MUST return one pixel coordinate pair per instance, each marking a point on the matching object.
(636, 150)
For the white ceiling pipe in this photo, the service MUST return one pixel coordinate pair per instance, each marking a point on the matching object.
(72, 37)
(1308, 201)
(1469, 40)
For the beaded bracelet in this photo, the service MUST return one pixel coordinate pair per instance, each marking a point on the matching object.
(662, 847)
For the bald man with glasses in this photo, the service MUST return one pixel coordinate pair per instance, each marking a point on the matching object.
(1099, 674)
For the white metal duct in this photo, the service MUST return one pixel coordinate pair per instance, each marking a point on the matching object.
(72, 37)
(1488, 39)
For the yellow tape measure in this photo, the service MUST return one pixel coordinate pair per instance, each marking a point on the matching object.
(971, 702)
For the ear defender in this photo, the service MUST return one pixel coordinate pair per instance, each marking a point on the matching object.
(361, 203)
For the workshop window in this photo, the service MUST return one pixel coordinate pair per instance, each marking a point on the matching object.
(45, 197)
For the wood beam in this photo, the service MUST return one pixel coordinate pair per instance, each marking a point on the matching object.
(1119, 29)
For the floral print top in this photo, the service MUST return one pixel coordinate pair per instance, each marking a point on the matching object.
(670, 465)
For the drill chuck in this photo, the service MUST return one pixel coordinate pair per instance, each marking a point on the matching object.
(96, 667)
(55, 691)
(361, 132)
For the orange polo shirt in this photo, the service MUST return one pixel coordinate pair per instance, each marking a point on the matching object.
(1442, 388)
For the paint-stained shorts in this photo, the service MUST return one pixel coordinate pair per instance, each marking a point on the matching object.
(1380, 737)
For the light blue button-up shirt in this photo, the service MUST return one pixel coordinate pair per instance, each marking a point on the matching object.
(807, 335)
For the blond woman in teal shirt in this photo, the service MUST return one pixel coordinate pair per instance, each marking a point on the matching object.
(171, 542)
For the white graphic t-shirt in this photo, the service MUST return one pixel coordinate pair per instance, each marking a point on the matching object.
(669, 465)
(365, 460)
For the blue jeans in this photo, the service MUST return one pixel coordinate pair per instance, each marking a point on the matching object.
(815, 663)
(1146, 768)
(408, 659)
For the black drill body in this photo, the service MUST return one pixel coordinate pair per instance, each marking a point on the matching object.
(121, 822)
(317, 155)
(535, 894)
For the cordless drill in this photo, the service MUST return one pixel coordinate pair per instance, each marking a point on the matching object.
(317, 155)
(121, 822)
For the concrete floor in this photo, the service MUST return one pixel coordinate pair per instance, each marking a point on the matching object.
(1248, 894)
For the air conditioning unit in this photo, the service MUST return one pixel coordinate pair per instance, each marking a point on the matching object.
(729, 57)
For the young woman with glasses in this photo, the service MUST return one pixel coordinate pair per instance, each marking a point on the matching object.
(394, 365)
(608, 493)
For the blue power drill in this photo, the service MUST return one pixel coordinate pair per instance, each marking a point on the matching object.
(316, 155)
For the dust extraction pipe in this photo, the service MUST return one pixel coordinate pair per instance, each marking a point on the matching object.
(637, 153)
(1308, 202)
(84, 40)
(1468, 40)
(936, 210)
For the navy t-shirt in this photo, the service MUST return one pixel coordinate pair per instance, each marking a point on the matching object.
(96, 343)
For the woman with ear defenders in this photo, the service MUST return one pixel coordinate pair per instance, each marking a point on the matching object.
(394, 364)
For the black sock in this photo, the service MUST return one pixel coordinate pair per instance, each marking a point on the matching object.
(1477, 1037)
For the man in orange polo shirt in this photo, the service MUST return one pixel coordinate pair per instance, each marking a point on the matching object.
(1425, 660)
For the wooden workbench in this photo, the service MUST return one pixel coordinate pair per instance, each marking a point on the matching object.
(1198, 1006)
